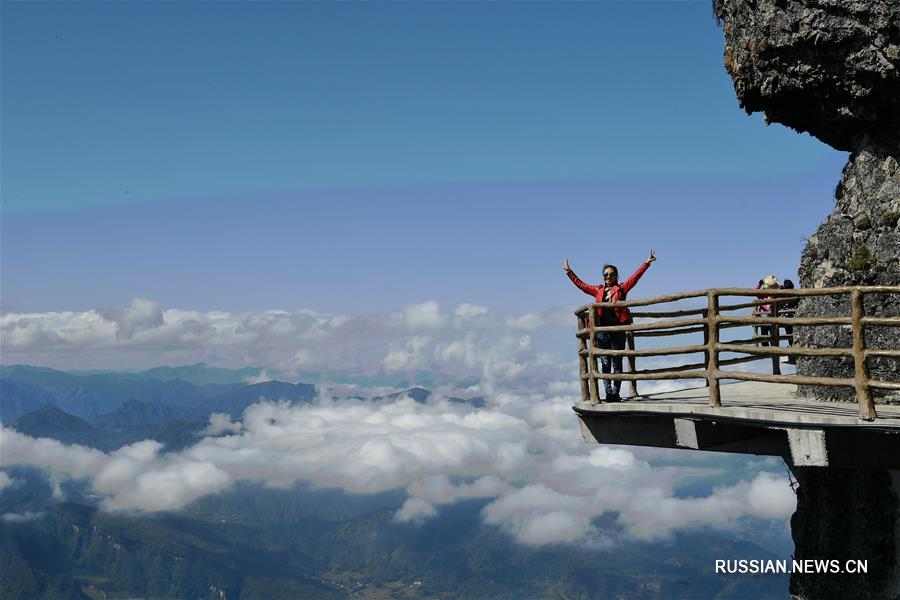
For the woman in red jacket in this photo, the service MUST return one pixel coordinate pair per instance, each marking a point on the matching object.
(611, 291)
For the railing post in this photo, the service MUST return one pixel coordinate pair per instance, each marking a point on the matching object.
(706, 343)
(593, 392)
(861, 375)
(773, 339)
(712, 336)
(583, 358)
(632, 363)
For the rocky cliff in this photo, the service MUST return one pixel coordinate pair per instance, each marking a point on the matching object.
(832, 68)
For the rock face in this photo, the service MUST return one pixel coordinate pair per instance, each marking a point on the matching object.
(829, 67)
(832, 68)
(858, 244)
(846, 515)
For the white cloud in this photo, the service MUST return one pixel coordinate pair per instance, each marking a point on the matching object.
(261, 378)
(170, 486)
(426, 315)
(438, 489)
(470, 311)
(538, 320)
(221, 423)
(6, 481)
(409, 356)
(469, 342)
(21, 517)
(530, 321)
(132, 477)
(415, 510)
(57, 329)
(531, 512)
(769, 497)
(75, 461)
(146, 332)
(555, 526)
(141, 315)
(564, 387)
(524, 456)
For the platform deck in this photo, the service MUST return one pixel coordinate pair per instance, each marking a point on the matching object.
(774, 403)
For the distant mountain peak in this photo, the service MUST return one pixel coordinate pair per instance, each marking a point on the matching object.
(51, 422)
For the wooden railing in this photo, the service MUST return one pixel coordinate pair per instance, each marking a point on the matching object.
(713, 318)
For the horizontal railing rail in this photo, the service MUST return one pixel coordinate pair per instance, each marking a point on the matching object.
(713, 317)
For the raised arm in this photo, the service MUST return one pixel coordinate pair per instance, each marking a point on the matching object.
(584, 287)
(639, 272)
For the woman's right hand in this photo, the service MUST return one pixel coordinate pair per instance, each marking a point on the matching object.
(566, 266)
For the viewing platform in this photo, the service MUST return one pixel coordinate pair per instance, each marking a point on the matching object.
(740, 410)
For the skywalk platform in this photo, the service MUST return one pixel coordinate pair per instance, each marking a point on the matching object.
(755, 418)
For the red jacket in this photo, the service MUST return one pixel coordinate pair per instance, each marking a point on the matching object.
(619, 292)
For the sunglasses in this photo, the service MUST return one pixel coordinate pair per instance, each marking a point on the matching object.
(605, 275)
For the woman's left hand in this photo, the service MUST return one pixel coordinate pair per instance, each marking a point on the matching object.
(651, 257)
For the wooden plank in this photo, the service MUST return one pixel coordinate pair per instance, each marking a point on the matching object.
(652, 352)
(888, 353)
(863, 393)
(756, 303)
(666, 314)
(787, 320)
(881, 321)
(593, 391)
(632, 366)
(712, 339)
(796, 379)
(884, 385)
(652, 326)
(780, 351)
(583, 361)
(677, 368)
(640, 375)
(754, 341)
(658, 333)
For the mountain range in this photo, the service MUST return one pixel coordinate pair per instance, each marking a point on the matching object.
(135, 401)
(306, 542)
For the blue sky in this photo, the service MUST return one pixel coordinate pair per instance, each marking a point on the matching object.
(358, 157)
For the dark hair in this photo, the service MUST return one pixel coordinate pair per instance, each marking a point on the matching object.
(613, 267)
(788, 284)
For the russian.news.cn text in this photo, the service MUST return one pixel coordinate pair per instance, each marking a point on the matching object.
(812, 566)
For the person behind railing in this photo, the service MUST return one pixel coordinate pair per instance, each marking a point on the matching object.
(611, 291)
(769, 282)
(789, 309)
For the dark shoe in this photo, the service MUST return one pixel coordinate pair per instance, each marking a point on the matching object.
(613, 398)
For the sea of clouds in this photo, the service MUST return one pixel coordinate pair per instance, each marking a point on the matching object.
(522, 452)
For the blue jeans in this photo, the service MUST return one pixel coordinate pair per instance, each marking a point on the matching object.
(612, 340)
